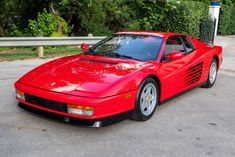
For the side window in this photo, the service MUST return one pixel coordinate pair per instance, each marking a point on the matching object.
(188, 45)
(173, 43)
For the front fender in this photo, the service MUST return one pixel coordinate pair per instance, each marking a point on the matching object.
(131, 82)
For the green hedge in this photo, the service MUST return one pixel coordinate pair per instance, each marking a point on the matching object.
(185, 17)
(227, 20)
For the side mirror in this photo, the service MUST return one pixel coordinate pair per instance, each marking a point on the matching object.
(84, 47)
(174, 55)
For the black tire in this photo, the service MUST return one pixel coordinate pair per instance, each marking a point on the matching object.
(138, 114)
(210, 83)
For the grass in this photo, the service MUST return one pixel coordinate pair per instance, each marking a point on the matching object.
(20, 53)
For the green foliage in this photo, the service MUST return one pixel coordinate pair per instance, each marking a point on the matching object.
(227, 20)
(18, 13)
(228, 2)
(172, 16)
(117, 14)
(86, 16)
(185, 17)
(16, 53)
(103, 17)
(62, 28)
(15, 32)
(152, 15)
(145, 14)
(48, 24)
(45, 25)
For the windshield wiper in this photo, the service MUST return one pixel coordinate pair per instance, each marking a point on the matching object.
(90, 51)
(110, 54)
(118, 55)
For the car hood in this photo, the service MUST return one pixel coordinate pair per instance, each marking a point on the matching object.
(80, 75)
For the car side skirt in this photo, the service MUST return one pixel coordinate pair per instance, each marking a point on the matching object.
(181, 93)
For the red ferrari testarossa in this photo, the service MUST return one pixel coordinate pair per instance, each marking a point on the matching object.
(125, 75)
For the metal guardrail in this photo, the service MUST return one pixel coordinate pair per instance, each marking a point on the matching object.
(47, 41)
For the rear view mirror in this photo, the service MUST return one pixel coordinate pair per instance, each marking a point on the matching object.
(84, 47)
(174, 55)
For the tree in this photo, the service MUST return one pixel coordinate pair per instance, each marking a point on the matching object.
(18, 12)
(1, 18)
(99, 17)
(86, 16)
(118, 14)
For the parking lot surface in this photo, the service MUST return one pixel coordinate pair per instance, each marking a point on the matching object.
(199, 123)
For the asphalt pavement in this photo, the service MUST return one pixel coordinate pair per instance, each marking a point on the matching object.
(200, 123)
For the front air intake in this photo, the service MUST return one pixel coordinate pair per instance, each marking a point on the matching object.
(50, 104)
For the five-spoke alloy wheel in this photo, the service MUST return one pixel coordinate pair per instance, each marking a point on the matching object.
(147, 100)
(212, 74)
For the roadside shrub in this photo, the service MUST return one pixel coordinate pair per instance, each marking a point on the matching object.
(172, 16)
(146, 14)
(184, 17)
(47, 24)
(15, 32)
(227, 20)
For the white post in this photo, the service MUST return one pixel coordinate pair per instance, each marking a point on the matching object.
(40, 51)
(214, 14)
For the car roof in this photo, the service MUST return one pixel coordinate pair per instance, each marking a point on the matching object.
(153, 33)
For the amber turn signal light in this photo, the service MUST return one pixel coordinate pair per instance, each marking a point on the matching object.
(80, 110)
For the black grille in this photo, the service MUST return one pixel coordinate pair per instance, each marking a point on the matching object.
(50, 104)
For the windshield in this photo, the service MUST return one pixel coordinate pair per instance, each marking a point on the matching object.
(138, 47)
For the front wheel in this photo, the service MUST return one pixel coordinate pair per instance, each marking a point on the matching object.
(147, 100)
(212, 74)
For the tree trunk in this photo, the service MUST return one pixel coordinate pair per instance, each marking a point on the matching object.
(1, 30)
(57, 15)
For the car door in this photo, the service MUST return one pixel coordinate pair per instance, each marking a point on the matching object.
(182, 73)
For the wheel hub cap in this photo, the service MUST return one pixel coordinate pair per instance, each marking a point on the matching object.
(148, 99)
(213, 70)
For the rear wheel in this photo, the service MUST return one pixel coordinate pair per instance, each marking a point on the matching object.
(147, 100)
(212, 74)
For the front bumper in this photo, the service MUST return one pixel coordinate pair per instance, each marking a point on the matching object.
(78, 121)
(103, 107)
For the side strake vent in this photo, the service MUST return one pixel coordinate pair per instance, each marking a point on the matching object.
(193, 74)
(97, 61)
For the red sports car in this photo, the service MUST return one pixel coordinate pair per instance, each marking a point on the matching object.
(126, 75)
